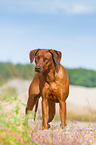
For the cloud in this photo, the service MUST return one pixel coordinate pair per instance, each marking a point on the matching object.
(49, 6)
(76, 8)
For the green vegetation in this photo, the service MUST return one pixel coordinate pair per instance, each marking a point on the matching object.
(14, 128)
(10, 71)
(80, 76)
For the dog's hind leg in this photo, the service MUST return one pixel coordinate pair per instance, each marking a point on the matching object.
(32, 100)
(34, 94)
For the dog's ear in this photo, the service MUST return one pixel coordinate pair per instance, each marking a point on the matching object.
(32, 54)
(56, 58)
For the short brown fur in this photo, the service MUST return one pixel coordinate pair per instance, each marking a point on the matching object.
(51, 82)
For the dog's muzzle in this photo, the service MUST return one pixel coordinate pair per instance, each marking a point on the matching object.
(37, 69)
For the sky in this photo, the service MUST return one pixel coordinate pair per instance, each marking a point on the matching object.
(65, 25)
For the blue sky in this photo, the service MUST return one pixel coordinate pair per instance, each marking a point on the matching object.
(68, 26)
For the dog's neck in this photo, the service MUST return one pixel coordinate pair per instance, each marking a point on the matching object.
(50, 75)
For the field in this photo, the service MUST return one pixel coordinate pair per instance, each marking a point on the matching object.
(17, 129)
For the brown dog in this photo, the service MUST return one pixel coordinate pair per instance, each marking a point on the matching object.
(51, 82)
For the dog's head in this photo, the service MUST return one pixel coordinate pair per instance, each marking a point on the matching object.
(45, 59)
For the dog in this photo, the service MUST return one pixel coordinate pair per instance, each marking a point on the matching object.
(51, 82)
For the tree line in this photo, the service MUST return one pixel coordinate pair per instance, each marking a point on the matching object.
(79, 76)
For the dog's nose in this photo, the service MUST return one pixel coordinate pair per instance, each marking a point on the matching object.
(37, 68)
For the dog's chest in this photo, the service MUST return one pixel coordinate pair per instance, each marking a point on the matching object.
(53, 92)
(53, 87)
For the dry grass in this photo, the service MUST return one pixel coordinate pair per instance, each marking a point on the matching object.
(77, 115)
(7, 93)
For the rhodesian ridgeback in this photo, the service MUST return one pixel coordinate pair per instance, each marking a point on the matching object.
(51, 83)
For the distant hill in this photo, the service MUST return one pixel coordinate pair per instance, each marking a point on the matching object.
(79, 76)
(82, 77)
(10, 71)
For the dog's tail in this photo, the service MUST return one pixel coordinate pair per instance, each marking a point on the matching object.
(36, 107)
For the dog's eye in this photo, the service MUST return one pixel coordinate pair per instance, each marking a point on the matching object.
(37, 59)
(46, 59)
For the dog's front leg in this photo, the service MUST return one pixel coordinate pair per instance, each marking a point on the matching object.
(45, 112)
(63, 113)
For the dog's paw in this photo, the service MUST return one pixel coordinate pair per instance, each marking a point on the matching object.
(63, 126)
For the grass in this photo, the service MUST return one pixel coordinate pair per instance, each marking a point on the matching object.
(7, 93)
